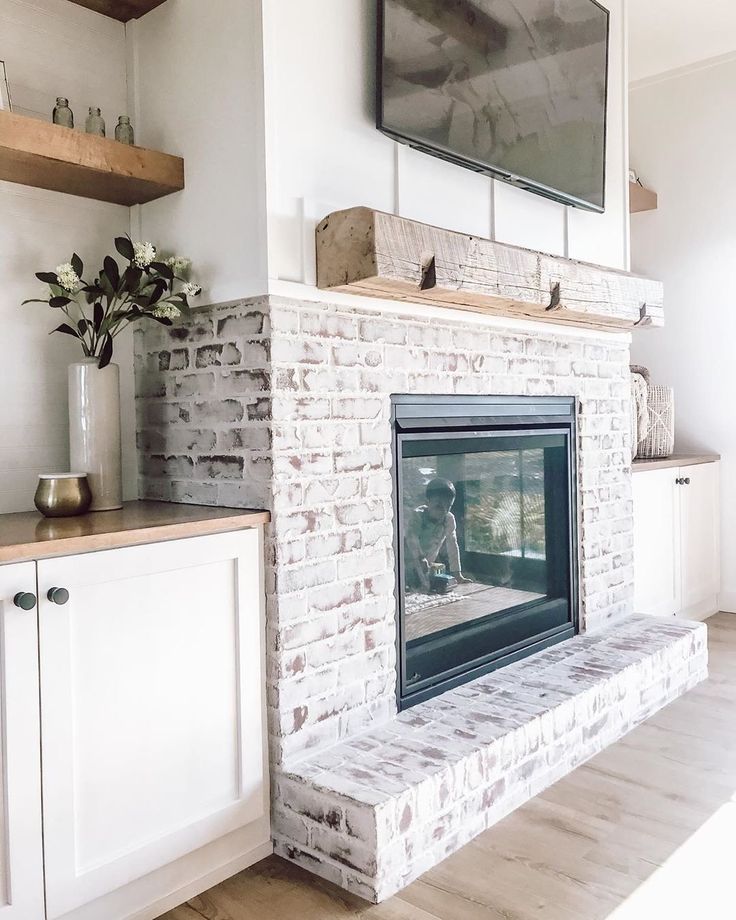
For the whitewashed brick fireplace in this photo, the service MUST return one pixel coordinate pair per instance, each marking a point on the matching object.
(286, 404)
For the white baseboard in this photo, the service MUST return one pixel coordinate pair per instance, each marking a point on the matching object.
(700, 617)
(152, 895)
(728, 602)
(204, 883)
(702, 610)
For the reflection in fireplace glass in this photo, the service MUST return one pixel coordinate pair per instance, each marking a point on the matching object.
(485, 540)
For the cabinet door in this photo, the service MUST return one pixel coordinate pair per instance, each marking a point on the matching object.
(656, 542)
(700, 539)
(21, 861)
(151, 709)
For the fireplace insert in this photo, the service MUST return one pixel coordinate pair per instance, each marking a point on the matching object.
(485, 534)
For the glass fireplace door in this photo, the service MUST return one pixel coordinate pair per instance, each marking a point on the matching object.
(485, 551)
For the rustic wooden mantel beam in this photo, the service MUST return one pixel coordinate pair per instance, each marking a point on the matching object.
(361, 251)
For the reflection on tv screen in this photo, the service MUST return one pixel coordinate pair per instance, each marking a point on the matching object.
(511, 87)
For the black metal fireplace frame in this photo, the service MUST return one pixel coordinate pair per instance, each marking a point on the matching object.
(490, 416)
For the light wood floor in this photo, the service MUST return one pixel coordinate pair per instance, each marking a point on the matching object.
(644, 831)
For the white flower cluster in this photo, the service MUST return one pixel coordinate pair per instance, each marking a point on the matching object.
(178, 264)
(68, 278)
(143, 254)
(166, 311)
(191, 289)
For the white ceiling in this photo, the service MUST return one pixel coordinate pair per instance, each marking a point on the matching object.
(668, 34)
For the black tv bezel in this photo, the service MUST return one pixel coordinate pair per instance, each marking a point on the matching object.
(437, 150)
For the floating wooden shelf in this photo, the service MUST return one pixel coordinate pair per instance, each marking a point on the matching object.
(641, 199)
(122, 10)
(43, 155)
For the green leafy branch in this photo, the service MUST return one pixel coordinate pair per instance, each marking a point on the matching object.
(99, 310)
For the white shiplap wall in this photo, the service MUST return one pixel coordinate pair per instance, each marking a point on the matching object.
(51, 47)
(324, 152)
(195, 72)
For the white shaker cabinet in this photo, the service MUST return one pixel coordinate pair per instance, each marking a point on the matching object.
(21, 859)
(147, 749)
(657, 581)
(700, 539)
(676, 539)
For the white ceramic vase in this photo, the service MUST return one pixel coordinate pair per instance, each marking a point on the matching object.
(94, 431)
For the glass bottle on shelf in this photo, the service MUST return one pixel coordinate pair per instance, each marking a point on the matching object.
(63, 115)
(95, 123)
(124, 130)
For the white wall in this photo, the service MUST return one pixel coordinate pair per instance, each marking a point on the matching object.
(682, 143)
(196, 81)
(324, 152)
(666, 35)
(51, 48)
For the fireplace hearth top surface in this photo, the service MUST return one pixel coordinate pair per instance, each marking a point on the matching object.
(433, 735)
(374, 813)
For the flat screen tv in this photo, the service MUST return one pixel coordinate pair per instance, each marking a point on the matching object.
(515, 89)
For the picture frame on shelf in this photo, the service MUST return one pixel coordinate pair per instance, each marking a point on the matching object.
(5, 104)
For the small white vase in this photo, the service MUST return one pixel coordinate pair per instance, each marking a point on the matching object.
(94, 431)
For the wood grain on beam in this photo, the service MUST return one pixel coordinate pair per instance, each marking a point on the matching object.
(361, 251)
(122, 10)
(37, 153)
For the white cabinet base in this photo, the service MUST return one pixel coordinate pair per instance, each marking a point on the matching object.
(676, 541)
(706, 608)
(143, 899)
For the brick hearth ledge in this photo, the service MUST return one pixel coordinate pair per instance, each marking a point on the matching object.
(375, 812)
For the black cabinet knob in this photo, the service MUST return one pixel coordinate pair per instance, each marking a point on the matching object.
(679, 481)
(25, 600)
(686, 480)
(58, 596)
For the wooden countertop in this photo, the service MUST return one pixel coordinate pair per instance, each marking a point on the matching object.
(641, 466)
(29, 535)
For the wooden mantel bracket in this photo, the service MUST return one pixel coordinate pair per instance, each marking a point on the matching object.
(554, 303)
(367, 252)
(650, 315)
(429, 273)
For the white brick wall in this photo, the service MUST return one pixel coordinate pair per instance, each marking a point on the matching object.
(285, 405)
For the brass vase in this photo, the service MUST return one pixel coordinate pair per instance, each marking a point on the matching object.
(63, 495)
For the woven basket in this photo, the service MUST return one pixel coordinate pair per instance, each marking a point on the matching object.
(660, 439)
(639, 411)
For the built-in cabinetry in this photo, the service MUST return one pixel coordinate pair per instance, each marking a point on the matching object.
(146, 752)
(676, 537)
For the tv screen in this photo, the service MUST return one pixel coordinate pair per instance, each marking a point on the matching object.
(512, 88)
